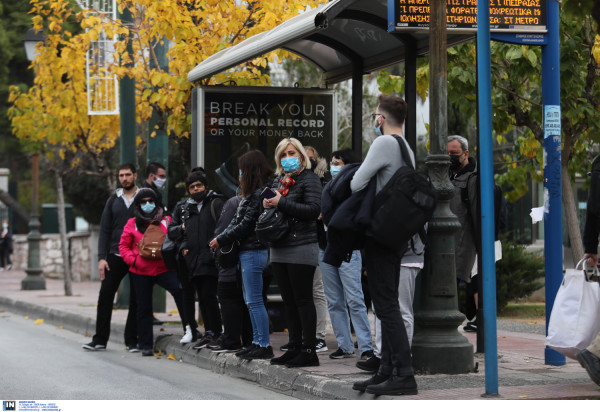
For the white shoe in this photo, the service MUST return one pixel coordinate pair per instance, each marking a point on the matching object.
(9, 267)
(187, 338)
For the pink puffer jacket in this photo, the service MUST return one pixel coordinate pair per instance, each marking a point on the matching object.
(128, 249)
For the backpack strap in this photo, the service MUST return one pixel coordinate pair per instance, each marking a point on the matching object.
(404, 151)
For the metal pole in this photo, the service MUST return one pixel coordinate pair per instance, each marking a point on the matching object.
(34, 279)
(357, 110)
(486, 173)
(438, 347)
(552, 169)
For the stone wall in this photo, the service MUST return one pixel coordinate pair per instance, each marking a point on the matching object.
(51, 259)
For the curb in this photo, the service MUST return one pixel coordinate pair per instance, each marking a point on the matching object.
(292, 382)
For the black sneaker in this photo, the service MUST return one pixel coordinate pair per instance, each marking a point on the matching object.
(132, 348)
(369, 365)
(156, 321)
(470, 327)
(206, 340)
(147, 352)
(246, 350)
(340, 354)
(285, 347)
(259, 352)
(321, 346)
(93, 346)
(367, 354)
(223, 349)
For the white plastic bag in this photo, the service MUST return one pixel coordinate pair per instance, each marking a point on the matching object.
(575, 317)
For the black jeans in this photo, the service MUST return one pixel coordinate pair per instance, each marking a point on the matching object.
(383, 272)
(108, 288)
(296, 286)
(5, 256)
(205, 287)
(236, 319)
(143, 288)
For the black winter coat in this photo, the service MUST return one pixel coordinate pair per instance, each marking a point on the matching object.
(303, 206)
(199, 231)
(243, 226)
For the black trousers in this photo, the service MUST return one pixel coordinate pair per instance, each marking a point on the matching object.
(205, 287)
(236, 319)
(143, 287)
(108, 289)
(296, 286)
(383, 272)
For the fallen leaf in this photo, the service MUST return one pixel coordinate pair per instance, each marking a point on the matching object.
(26, 317)
(532, 323)
(171, 356)
(1, 311)
(38, 321)
(162, 329)
(174, 312)
(158, 354)
(60, 327)
(87, 334)
(523, 396)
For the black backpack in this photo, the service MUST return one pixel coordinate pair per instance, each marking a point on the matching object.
(403, 206)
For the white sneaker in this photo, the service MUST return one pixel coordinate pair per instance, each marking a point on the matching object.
(9, 267)
(187, 338)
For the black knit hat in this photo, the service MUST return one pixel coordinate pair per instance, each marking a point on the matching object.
(197, 175)
(144, 193)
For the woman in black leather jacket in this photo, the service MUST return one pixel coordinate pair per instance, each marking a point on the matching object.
(295, 257)
(254, 256)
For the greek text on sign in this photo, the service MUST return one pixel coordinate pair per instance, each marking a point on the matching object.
(551, 121)
(505, 15)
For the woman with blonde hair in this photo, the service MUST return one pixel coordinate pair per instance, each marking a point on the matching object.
(295, 257)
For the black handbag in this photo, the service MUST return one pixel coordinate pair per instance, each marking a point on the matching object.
(228, 256)
(272, 225)
(169, 253)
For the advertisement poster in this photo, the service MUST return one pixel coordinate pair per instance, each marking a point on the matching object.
(232, 120)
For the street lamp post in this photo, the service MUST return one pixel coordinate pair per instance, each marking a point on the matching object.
(34, 279)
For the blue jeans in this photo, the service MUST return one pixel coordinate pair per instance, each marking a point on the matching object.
(342, 287)
(253, 263)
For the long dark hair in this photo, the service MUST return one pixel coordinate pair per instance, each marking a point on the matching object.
(255, 171)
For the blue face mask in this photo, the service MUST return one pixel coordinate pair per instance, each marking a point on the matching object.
(334, 170)
(378, 130)
(290, 164)
(148, 207)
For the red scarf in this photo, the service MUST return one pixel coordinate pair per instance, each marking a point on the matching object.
(288, 181)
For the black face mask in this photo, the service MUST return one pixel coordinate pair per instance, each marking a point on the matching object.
(455, 162)
(199, 197)
(313, 163)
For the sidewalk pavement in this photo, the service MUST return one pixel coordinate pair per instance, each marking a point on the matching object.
(522, 373)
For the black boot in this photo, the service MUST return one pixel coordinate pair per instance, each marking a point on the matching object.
(306, 357)
(290, 353)
(373, 380)
(395, 385)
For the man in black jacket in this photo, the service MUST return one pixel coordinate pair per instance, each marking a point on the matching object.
(589, 358)
(156, 178)
(117, 212)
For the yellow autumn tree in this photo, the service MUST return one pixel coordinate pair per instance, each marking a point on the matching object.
(51, 117)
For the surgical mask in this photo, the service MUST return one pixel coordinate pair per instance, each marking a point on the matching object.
(5, 225)
(335, 170)
(199, 197)
(240, 172)
(455, 162)
(159, 182)
(290, 164)
(148, 207)
(378, 129)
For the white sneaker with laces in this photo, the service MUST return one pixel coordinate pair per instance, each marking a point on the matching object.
(321, 346)
(187, 338)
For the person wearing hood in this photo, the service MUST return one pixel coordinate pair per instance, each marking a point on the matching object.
(192, 228)
(145, 272)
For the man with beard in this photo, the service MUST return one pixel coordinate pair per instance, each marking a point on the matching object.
(117, 212)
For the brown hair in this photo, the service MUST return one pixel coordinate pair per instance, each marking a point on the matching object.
(255, 171)
(394, 108)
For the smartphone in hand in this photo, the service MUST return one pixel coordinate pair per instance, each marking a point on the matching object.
(267, 193)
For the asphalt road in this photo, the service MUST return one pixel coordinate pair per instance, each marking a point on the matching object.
(45, 362)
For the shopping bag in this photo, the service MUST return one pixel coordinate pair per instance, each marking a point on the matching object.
(575, 318)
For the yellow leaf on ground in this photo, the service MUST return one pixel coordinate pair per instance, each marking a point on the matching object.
(38, 321)
(174, 312)
(60, 327)
(158, 354)
(26, 317)
(171, 356)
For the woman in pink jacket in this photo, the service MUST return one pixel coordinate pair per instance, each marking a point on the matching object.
(147, 272)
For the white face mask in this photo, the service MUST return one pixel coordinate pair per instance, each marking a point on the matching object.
(5, 225)
(159, 182)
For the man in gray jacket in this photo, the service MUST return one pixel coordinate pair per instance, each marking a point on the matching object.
(395, 375)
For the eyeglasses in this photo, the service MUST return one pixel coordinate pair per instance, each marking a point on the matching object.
(196, 186)
(376, 115)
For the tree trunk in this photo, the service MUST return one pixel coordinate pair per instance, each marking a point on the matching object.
(9, 201)
(62, 228)
(568, 202)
